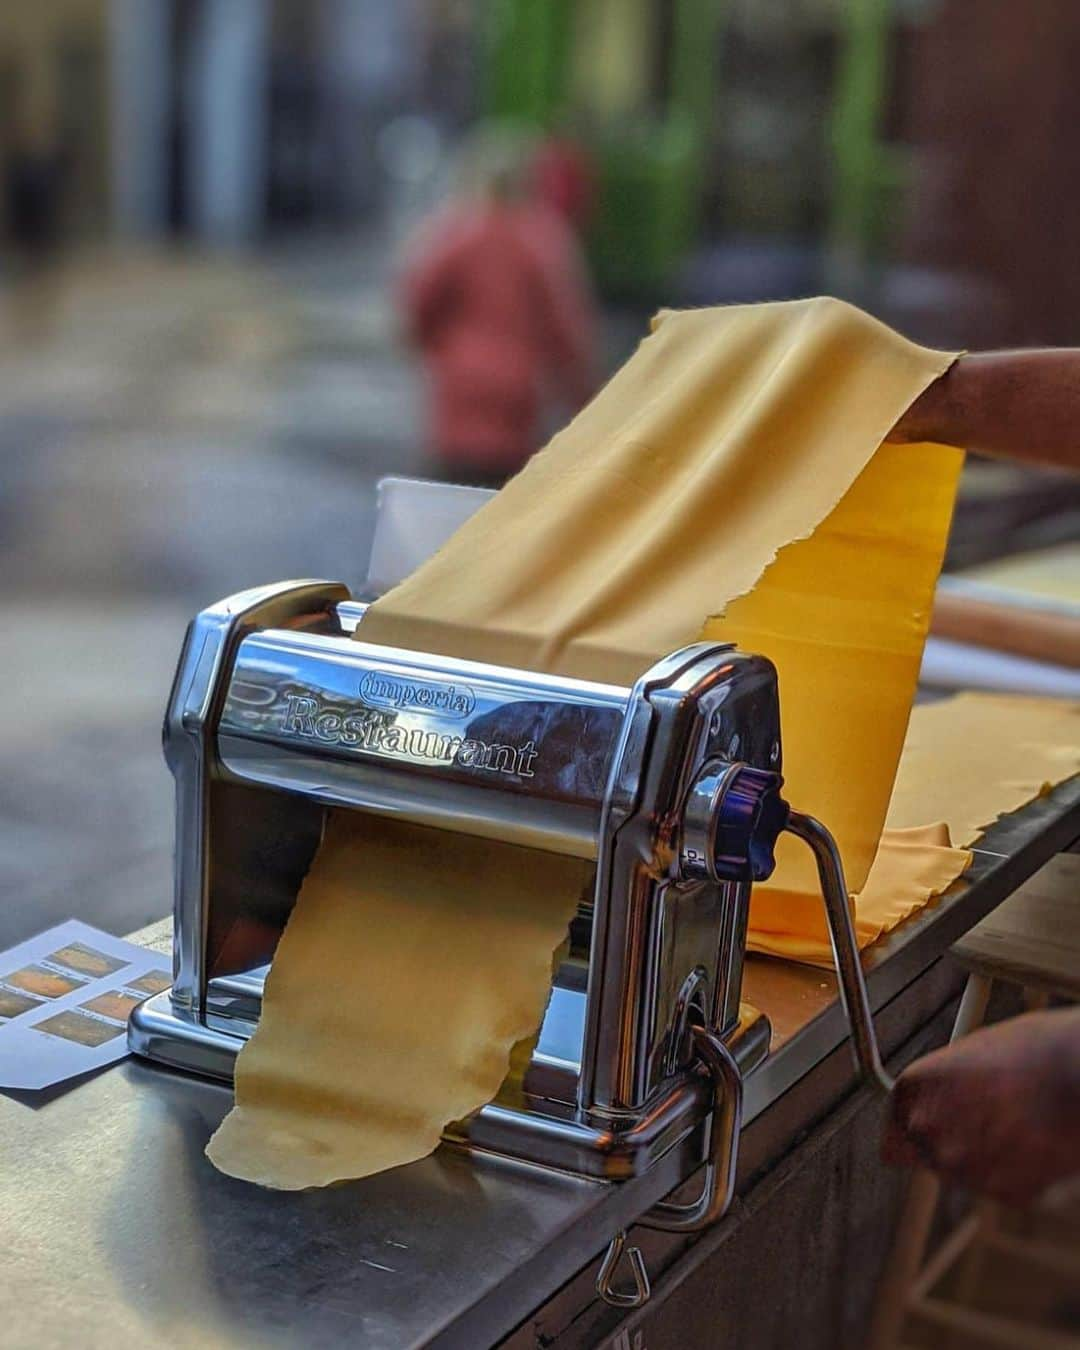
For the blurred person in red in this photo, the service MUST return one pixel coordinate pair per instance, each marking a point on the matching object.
(564, 178)
(496, 299)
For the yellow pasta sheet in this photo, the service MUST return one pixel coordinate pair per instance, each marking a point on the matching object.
(843, 615)
(735, 443)
(973, 758)
(393, 1001)
(967, 761)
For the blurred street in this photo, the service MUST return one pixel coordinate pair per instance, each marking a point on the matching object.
(216, 425)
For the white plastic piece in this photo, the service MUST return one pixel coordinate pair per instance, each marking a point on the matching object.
(413, 519)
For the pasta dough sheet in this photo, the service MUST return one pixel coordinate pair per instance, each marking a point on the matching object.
(967, 761)
(733, 439)
(970, 759)
(843, 616)
(393, 1000)
(712, 457)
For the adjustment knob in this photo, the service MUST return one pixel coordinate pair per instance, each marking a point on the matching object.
(731, 821)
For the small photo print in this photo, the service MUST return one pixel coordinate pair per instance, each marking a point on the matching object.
(87, 960)
(77, 1027)
(153, 982)
(43, 982)
(116, 1003)
(12, 1004)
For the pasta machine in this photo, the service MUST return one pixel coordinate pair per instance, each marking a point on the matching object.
(279, 712)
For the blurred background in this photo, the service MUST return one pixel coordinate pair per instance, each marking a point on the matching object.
(233, 234)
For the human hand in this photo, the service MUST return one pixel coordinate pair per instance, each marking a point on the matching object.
(998, 1111)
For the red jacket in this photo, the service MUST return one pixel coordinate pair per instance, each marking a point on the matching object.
(497, 300)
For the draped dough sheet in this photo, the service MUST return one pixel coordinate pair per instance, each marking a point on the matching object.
(966, 762)
(735, 442)
(393, 1001)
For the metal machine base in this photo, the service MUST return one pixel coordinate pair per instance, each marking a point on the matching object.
(518, 1124)
(156, 1031)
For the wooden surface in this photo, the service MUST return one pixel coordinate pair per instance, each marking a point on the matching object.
(1038, 635)
(789, 995)
(1033, 937)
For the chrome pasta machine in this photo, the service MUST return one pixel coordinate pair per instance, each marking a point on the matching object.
(280, 712)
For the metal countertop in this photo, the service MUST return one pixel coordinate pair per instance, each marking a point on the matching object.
(113, 1226)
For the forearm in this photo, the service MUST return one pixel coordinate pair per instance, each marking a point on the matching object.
(1021, 405)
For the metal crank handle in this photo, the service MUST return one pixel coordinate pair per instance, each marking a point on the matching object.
(853, 996)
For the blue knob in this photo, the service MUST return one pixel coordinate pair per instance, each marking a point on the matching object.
(733, 816)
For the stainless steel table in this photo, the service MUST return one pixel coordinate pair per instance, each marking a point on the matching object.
(115, 1230)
